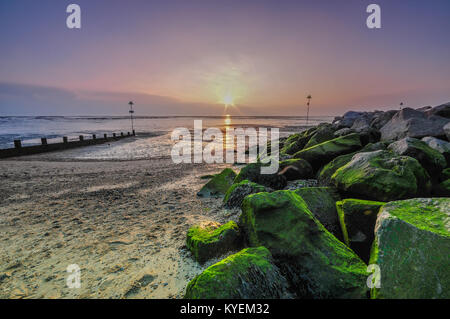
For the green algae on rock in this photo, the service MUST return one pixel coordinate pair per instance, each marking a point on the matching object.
(322, 153)
(432, 160)
(411, 247)
(219, 184)
(236, 193)
(252, 172)
(321, 202)
(324, 176)
(248, 274)
(382, 176)
(324, 133)
(357, 219)
(213, 239)
(315, 262)
(297, 141)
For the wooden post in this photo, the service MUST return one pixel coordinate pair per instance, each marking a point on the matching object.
(105, 136)
(17, 144)
(121, 134)
(94, 136)
(114, 135)
(44, 141)
(65, 140)
(81, 138)
(129, 134)
(134, 133)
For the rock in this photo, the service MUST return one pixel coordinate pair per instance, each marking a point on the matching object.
(328, 170)
(413, 123)
(321, 201)
(297, 168)
(433, 161)
(441, 110)
(296, 142)
(236, 193)
(294, 185)
(447, 131)
(324, 133)
(411, 247)
(347, 120)
(382, 176)
(368, 135)
(381, 118)
(357, 220)
(442, 189)
(219, 184)
(343, 131)
(212, 239)
(321, 154)
(248, 274)
(252, 172)
(316, 263)
(441, 146)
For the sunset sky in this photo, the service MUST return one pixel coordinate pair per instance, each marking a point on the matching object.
(191, 57)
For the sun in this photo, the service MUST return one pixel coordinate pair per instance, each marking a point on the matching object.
(228, 100)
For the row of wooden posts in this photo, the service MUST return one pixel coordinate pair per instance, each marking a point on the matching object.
(18, 143)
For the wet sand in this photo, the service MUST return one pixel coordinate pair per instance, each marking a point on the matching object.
(123, 222)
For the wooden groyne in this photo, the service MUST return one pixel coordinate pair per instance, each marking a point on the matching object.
(20, 150)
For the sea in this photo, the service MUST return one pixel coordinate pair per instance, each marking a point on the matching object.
(153, 133)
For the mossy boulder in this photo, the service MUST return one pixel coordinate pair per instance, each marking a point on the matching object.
(382, 176)
(296, 168)
(321, 201)
(324, 133)
(252, 172)
(219, 184)
(248, 274)
(320, 154)
(439, 145)
(433, 161)
(314, 261)
(411, 247)
(324, 176)
(357, 219)
(236, 193)
(212, 239)
(297, 141)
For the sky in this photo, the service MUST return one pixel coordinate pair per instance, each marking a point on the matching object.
(191, 57)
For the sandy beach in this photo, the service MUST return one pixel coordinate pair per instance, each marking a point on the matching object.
(123, 222)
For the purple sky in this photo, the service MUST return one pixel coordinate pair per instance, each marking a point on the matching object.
(189, 57)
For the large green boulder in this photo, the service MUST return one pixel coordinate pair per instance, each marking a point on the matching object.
(324, 133)
(248, 274)
(321, 201)
(357, 219)
(219, 184)
(296, 168)
(212, 239)
(382, 176)
(322, 153)
(297, 141)
(236, 193)
(252, 172)
(315, 262)
(412, 249)
(433, 161)
(324, 176)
